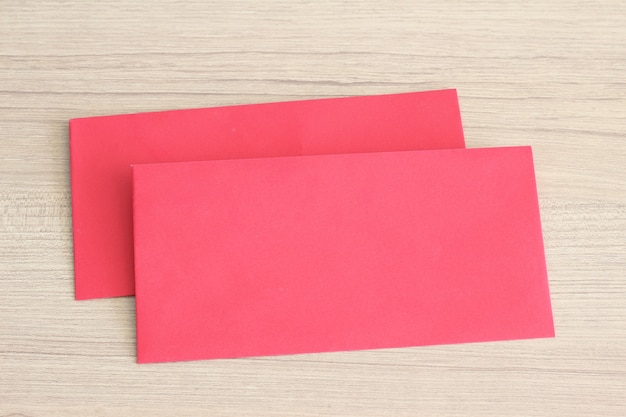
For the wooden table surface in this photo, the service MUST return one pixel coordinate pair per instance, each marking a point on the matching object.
(547, 74)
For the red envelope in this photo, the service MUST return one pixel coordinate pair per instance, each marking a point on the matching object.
(102, 149)
(290, 255)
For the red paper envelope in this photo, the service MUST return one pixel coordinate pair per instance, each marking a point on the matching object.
(289, 255)
(102, 149)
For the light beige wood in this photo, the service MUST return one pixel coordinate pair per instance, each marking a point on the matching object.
(547, 74)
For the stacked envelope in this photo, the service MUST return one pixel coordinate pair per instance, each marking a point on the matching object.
(307, 226)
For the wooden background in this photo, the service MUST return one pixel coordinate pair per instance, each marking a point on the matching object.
(547, 74)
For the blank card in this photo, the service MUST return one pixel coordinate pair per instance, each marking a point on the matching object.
(274, 256)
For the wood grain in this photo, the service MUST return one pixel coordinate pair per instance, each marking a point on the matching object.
(547, 74)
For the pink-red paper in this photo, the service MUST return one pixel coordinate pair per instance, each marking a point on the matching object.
(102, 149)
(272, 256)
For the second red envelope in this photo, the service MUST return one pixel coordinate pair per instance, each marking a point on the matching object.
(102, 149)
